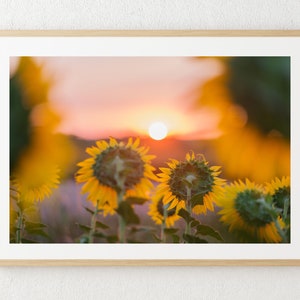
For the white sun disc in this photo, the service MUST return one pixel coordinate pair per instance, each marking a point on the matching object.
(158, 131)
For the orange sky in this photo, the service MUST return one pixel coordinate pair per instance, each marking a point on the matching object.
(118, 96)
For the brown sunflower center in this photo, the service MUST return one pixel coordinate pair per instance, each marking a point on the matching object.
(194, 175)
(119, 167)
(251, 208)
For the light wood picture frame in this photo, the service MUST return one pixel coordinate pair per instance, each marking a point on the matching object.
(262, 248)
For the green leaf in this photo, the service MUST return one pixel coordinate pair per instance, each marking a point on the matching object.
(84, 227)
(142, 229)
(170, 230)
(194, 223)
(31, 225)
(112, 238)
(84, 240)
(175, 238)
(136, 200)
(89, 210)
(99, 234)
(207, 230)
(101, 225)
(286, 207)
(197, 199)
(28, 241)
(126, 211)
(39, 232)
(193, 239)
(132, 241)
(156, 238)
(185, 215)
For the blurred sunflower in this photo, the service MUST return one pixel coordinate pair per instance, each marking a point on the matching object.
(35, 150)
(31, 189)
(115, 167)
(193, 175)
(38, 155)
(160, 213)
(251, 96)
(245, 211)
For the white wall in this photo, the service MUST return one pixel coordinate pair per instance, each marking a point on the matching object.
(150, 282)
(150, 14)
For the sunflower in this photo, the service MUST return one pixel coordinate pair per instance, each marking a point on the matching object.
(279, 190)
(114, 168)
(38, 155)
(245, 211)
(193, 175)
(34, 180)
(161, 214)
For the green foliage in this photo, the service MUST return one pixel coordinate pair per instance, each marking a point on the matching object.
(101, 225)
(156, 238)
(193, 239)
(95, 229)
(83, 239)
(19, 121)
(170, 230)
(175, 239)
(89, 210)
(136, 200)
(33, 226)
(85, 228)
(24, 231)
(198, 229)
(186, 216)
(90, 232)
(141, 229)
(112, 238)
(99, 235)
(36, 229)
(262, 86)
(197, 199)
(127, 212)
(207, 230)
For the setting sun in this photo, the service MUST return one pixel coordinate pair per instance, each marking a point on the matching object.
(158, 131)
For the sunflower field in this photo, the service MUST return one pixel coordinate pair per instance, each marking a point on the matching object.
(229, 186)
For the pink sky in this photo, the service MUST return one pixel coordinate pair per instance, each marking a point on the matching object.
(116, 96)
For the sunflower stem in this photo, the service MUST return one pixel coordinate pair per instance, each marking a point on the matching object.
(19, 227)
(93, 225)
(163, 225)
(189, 209)
(122, 227)
(162, 232)
(286, 206)
(121, 221)
(20, 224)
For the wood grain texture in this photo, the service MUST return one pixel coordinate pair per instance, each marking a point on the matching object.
(149, 33)
(150, 262)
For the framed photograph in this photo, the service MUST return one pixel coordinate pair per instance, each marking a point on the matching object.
(150, 148)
